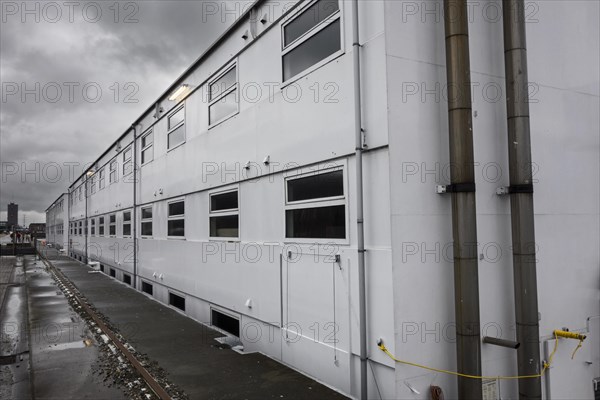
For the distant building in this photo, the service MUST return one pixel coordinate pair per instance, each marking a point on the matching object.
(13, 215)
(38, 230)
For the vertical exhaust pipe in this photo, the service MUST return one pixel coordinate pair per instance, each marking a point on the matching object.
(462, 187)
(360, 229)
(521, 198)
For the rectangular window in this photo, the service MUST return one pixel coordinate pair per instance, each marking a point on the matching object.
(176, 219)
(100, 226)
(81, 193)
(112, 272)
(102, 267)
(93, 227)
(112, 178)
(176, 126)
(177, 301)
(311, 37)
(222, 96)
(146, 221)
(93, 184)
(80, 228)
(101, 179)
(315, 206)
(127, 279)
(112, 225)
(127, 164)
(148, 147)
(224, 215)
(147, 288)
(126, 223)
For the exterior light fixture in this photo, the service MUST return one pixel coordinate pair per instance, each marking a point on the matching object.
(179, 92)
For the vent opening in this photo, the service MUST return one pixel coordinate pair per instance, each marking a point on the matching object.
(225, 322)
(177, 301)
(147, 288)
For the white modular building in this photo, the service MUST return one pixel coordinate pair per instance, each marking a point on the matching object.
(57, 222)
(299, 187)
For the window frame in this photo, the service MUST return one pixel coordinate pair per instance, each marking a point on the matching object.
(306, 36)
(225, 93)
(182, 123)
(317, 203)
(92, 184)
(92, 226)
(176, 218)
(101, 226)
(123, 223)
(147, 147)
(224, 213)
(112, 224)
(113, 167)
(127, 162)
(101, 177)
(146, 220)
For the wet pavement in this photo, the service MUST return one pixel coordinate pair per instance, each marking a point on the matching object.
(185, 349)
(14, 346)
(47, 350)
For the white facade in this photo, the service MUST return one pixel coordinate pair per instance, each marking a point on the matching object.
(57, 222)
(296, 299)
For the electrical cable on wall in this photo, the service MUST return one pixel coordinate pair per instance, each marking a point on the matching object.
(546, 365)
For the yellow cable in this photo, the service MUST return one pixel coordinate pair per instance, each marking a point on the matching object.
(443, 371)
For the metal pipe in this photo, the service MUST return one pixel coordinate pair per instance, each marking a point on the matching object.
(521, 198)
(464, 223)
(511, 344)
(85, 225)
(359, 204)
(134, 213)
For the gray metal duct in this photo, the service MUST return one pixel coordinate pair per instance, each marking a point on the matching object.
(521, 198)
(464, 223)
(358, 133)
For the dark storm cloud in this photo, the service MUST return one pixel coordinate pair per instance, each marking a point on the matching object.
(147, 44)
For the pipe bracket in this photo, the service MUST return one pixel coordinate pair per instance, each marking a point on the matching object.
(456, 188)
(525, 188)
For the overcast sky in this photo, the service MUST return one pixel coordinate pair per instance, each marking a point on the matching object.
(76, 75)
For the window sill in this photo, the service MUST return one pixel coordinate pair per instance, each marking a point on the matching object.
(175, 237)
(224, 239)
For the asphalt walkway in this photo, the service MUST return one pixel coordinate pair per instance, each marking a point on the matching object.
(186, 349)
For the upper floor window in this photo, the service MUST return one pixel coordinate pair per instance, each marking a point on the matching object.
(100, 226)
(80, 193)
(127, 165)
(222, 96)
(112, 177)
(176, 127)
(93, 184)
(311, 37)
(315, 206)
(224, 215)
(93, 226)
(126, 223)
(148, 147)
(146, 221)
(176, 219)
(101, 179)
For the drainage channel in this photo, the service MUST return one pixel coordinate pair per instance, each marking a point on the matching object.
(107, 334)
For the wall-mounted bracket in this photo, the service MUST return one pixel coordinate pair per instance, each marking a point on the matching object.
(455, 188)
